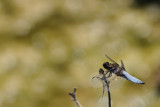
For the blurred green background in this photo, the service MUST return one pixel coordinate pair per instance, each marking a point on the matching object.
(48, 47)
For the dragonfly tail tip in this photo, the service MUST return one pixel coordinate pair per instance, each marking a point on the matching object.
(143, 83)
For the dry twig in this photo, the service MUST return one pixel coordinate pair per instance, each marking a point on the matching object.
(109, 94)
(106, 83)
(73, 95)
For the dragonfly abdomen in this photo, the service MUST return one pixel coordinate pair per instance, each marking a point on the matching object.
(131, 78)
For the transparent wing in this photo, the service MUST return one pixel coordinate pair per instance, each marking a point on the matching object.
(103, 101)
(122, 65)
(116, 82)
(96, 81)
(111, 59)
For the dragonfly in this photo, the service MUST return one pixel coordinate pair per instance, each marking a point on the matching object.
(119, 72)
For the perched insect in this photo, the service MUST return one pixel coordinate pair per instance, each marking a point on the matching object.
(119, 71)
(117, 79)
(106, 75)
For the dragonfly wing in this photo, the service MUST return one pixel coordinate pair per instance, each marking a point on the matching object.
(111, 59)
(131, 78)
(115, 82)
(96, 81)
(122, 65)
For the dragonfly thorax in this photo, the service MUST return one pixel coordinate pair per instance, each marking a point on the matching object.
(107, 65)
(113, 68)
(118, 71)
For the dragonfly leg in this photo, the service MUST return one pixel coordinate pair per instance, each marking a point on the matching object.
(106, 72)
(96, 77)
(110, 74)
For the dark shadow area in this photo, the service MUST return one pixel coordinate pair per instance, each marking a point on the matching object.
(158, 82)
(144, 3)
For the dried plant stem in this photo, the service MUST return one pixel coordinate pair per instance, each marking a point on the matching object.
(108, 90)
(73, 95)
(109, 95)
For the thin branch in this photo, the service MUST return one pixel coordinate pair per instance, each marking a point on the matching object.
(108, 90)
(109, 95)
(105, 83)
(73, 95)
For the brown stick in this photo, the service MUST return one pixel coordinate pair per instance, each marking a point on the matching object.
(73, 95)
(108, 90)
(109, 95)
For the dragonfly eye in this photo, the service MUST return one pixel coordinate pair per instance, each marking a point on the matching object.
(106, 65)
(101, 71)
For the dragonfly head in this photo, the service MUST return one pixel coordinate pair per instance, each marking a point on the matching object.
(107, 65)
